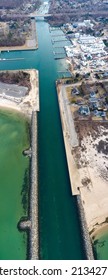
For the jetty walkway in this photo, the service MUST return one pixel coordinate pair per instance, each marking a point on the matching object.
(84, 228)
(31, 223)
(34, 235)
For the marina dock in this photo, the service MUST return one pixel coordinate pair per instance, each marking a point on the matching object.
(11, 59)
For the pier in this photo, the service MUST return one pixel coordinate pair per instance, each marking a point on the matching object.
(58, 35)
(58, 52)
(57, 57)
(11, 59)
(63, 72)
(63, 40)
(51, 29)
(54, 47)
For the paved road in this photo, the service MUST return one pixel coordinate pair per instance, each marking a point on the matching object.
(69, 119)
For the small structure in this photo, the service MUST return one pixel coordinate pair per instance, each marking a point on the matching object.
(89, 56)
(75, 25)
(105, 75)
(96, 113)
(103, 114)
(94, 105)
(75, 91)
(84, 110)
(92, 94)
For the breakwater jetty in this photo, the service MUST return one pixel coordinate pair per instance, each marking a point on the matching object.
(34, 238)
(32, 223)
(86, 237)
(29, 104)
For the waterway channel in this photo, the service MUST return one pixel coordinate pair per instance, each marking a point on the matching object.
(59, 228)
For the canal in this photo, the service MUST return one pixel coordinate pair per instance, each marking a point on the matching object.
(60, 236)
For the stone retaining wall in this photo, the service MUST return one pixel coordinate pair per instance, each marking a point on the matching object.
(84, 228)
(34, 236)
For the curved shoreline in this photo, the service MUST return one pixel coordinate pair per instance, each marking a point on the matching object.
(29, 102)
(99, 230)
(30, 223)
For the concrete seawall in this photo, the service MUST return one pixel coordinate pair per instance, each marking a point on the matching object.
(86, 237)
(34, 235)
(70, 141)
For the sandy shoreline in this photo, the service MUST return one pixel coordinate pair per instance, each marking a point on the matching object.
(87, 167)
(103, 228)
(29, 102)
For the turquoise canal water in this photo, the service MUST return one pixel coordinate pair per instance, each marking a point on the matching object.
(13, 177)
(59, 228)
